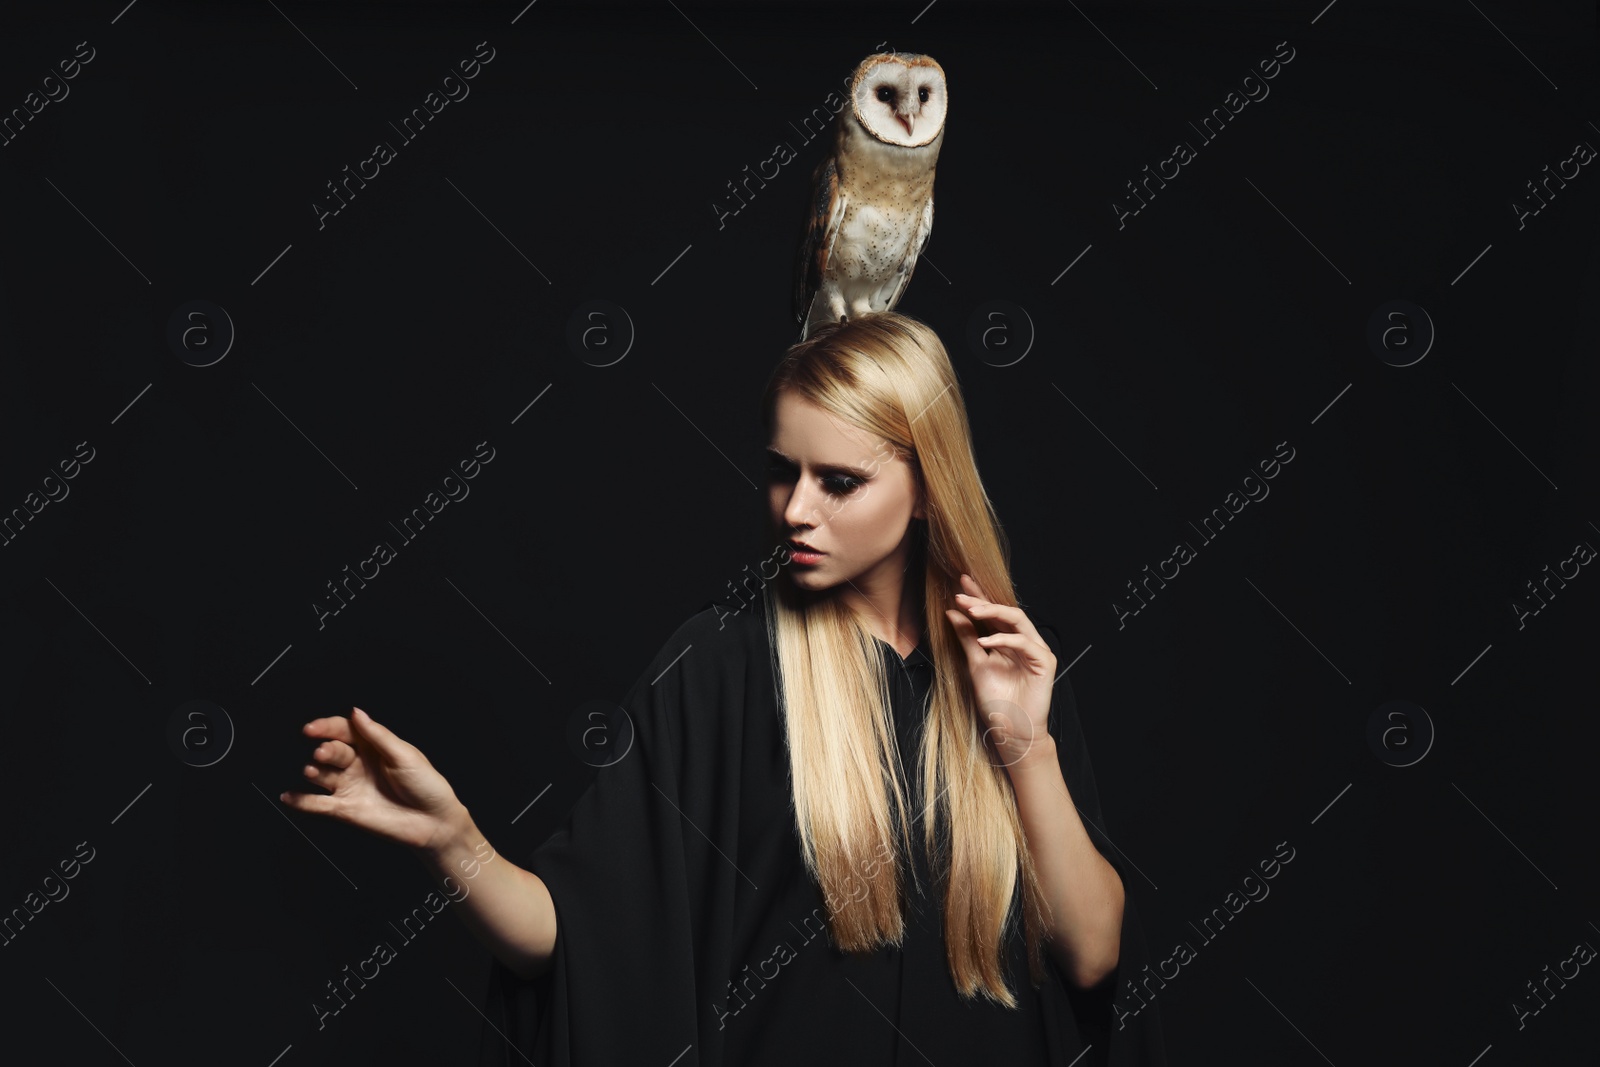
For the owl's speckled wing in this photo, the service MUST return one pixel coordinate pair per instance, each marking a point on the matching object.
(816, 244)
(919, 240)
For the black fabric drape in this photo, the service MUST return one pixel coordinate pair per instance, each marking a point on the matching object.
(679, 858)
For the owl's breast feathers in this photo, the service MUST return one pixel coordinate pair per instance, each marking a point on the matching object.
(886, 190)
(890, 177)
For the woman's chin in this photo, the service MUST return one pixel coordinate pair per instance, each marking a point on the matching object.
(814, 578)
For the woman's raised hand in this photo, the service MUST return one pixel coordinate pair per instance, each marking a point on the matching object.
(378, 782)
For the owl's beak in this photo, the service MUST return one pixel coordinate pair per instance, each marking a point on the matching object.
(908, 121)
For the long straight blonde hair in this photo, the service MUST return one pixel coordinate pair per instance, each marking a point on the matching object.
(888, 375)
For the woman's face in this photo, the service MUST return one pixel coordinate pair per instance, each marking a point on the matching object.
(842, 491)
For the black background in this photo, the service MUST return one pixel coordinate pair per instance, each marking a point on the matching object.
(374, 353)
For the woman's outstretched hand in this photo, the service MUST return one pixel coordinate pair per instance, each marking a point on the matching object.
(378, 782)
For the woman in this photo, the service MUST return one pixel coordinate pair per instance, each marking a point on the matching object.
(849, 822)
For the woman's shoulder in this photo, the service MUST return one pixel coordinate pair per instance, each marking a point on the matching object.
(724, 631)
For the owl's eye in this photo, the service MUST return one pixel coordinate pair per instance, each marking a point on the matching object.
(922, 94)
(885, 93)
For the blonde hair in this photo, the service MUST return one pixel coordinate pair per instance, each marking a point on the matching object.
(888, 375)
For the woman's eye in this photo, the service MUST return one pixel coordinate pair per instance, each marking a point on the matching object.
(836, 484)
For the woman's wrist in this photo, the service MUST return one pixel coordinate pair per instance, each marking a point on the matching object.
(455, 840)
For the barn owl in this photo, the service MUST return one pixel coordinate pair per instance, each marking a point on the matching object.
(872, 197)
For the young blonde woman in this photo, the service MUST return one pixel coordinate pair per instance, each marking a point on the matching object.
(854, 825)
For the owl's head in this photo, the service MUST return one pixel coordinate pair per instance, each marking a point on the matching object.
(900, 98)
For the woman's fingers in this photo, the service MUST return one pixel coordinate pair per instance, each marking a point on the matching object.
(312, 802)
(327, 777)
(1002, 616)
(334, 727)
(967, 634)
(386, 741)
(334, 754)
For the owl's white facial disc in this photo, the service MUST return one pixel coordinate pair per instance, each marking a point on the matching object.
(903, 104)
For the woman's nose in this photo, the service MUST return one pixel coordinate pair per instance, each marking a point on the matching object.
(800, 510)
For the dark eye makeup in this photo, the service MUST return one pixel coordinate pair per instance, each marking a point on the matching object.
(839, 482)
